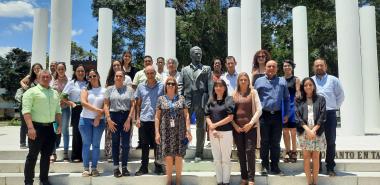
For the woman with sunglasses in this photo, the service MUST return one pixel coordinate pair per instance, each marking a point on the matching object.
(119, 106)
(91, 123)
(246, 127)
(71, 95)
(59, 83)
(219, 113)
(259, 60)
(172, 128)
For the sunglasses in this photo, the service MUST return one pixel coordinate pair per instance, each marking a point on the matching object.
(92, 76)
(170, 84)
(261, 56)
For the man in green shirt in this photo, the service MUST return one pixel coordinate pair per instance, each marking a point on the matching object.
(41, 107)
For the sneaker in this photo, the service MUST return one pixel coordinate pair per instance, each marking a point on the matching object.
(65, 157)
(197, 159)
(141, 171)
(331, 173)
(86, 173)
(95, 173)
(117, 173)
(125, 172)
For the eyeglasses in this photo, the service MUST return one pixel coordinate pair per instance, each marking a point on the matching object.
(170, 84)
(261, 56)
(92, 76)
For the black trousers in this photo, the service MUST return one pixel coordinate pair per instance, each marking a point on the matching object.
(44, 144)
(23, 128)
(77, 138)
(246, 147)
(147, 139)
(271, 131)
(330, 133)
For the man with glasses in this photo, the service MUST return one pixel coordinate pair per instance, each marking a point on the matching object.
(146, 96)
(41, 107)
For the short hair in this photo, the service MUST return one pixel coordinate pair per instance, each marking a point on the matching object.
(322, 59)
(175, 61)
(148, 56)
(290, 62)
(170, 78)
(230, 58)
(162, 58)
(194, 48)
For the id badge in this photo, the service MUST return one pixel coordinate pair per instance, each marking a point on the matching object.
(172, 123)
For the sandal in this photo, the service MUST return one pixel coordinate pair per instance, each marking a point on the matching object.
(243, 182)
(293, 156)
(86, 173)
(287, 157)
(251, 183)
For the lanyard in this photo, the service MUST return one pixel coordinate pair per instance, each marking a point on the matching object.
(171, 106)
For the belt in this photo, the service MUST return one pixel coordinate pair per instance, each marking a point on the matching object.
(42, 124)
(271, 112)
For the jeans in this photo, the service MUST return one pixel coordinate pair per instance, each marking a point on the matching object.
(23, 128)
(221, 152)
(91, 136)
(77, 139)
(246, 147)
(119, 118)
(330, 133)
(43, 143)
(271, 132)
(65, 131)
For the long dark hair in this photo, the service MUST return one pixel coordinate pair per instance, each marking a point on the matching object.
(89, 86)
(214, 96)
(56, 69)
(111, 73)
(303, 93)
(256, 57)
(32, 75)
(75, 78)
(122, 59)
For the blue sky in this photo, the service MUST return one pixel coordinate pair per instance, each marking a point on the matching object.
(16, 23)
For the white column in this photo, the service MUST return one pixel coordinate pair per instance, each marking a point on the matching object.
(60, 33)
(234, 36)
(40, 36)
(170, 33)
(350, 68)
(250, 32)
(300, 42)
(370, 69)
(104, 43)
(154, 29)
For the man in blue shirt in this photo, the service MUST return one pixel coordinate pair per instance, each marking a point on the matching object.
(146, 96)
(329, 87)
(272, 91)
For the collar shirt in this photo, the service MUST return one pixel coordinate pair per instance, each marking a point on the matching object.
(231, 81)
(330, 87)
(148, 96)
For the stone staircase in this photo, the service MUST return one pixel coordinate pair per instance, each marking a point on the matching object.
(352, 171)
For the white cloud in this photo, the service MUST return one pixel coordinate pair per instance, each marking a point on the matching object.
(4, 50)
(16, 9)
(76, 32)
(24, 25)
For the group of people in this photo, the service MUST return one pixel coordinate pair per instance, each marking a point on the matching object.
(247, 110)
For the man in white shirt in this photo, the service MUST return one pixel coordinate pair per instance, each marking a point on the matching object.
(231, 76)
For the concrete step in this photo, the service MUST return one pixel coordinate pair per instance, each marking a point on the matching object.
(17, 166)
(196, 178)
(20, 154)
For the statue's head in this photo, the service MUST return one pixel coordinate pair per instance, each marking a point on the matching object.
(196, 54)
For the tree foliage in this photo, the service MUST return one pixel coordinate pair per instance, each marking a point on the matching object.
(13, 68)
(204, 23)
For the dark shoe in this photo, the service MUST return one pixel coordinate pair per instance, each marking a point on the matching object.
(65, 157)
(117, 173)
(320, 170)
(138, 146)
(287, 157)
(23, 146)
(159, 170)
(264, 171)
(293, 156)
(331, 173)
(125, 171)
(141, 171)
(276, 171)
(45, 183)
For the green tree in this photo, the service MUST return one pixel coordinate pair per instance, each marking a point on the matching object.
(13, 68)
(78, 53)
